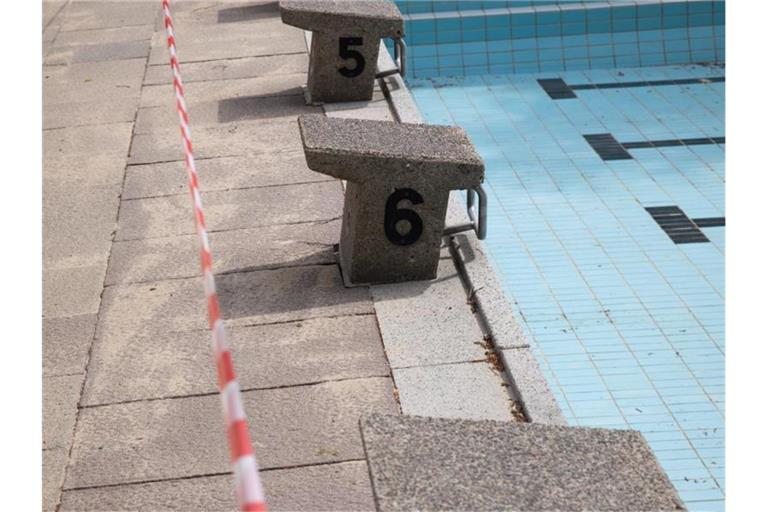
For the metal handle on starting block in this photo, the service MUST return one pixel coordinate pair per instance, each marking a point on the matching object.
(479, 222)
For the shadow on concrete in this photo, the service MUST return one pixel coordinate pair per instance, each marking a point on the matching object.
(287, 293)
(258, 11)
(288, 103)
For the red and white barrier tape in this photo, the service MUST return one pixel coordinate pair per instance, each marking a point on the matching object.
(249, 492)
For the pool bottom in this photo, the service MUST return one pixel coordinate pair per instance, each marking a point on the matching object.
(627, 323)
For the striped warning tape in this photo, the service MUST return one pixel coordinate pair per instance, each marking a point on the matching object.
(249, 492)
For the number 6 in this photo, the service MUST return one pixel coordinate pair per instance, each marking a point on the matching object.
(393, 214)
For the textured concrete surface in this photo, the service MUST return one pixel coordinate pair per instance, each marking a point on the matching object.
(228, 69)
(227, 173)
(184, 437)
(450, 335)
(436, 464)
(176, 257)
(463, 390)
(317, 350)
(249, 298)
(340, 486)
(54, 465)
(66, 341)
(60, 397)
(234, 209)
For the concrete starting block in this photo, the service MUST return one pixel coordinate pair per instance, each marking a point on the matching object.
(345, 44)
(444, 464)
(399, 177)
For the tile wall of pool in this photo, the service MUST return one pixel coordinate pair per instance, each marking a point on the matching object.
(606, 228)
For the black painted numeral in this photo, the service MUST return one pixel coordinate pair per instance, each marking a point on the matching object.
(345, 53)
(393, 215)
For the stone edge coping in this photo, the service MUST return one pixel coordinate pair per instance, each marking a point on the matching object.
(520, 365)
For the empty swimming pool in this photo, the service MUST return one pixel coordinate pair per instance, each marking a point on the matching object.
(602, 128)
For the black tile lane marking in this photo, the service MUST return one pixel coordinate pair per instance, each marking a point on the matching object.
(710, 222)
(608, 148)
(676, 224)
(558, 89)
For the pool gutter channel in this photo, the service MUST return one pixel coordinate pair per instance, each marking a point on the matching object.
(504, 339)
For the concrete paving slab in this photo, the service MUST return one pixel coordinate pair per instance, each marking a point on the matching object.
(99, 15)
(278, 355)
(66, 342)
(232, 209)
(230, 139)
(235, 40)
(228, 69)
(266, 247)
(183, 437)
(84, 170)
(51, 9)
(504, 466)
(464, 390)
(428, 322)
(100, 81)
(54, 466)
(77, 232)
(259, 170)
(86, 141)
(250, 298)
(72, 291)
(60, 397)
(104, 51)
(245, 109)
(113, 35)
(81, 113)
(214, 91)
(341, 486)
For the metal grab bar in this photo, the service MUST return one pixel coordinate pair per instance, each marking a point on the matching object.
(399, 60)
(479, 222)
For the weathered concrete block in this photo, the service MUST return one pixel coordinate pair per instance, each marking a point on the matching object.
(438, 464)
(399, 179)
(345, 44)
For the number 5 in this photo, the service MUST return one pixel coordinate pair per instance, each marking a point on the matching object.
(345, 53)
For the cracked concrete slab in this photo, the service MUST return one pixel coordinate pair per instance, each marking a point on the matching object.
(215, 91)
(249, 298)
(343, 486)
(259, 170)
(228, 69)
(232, 209)
(244, 110)
(229, 139)
(277, 355)
(266, 247)
(185, 437)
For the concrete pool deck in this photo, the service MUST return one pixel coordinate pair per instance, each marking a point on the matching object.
(131, 409)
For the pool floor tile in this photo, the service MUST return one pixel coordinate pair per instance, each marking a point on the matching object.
(627, 325)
